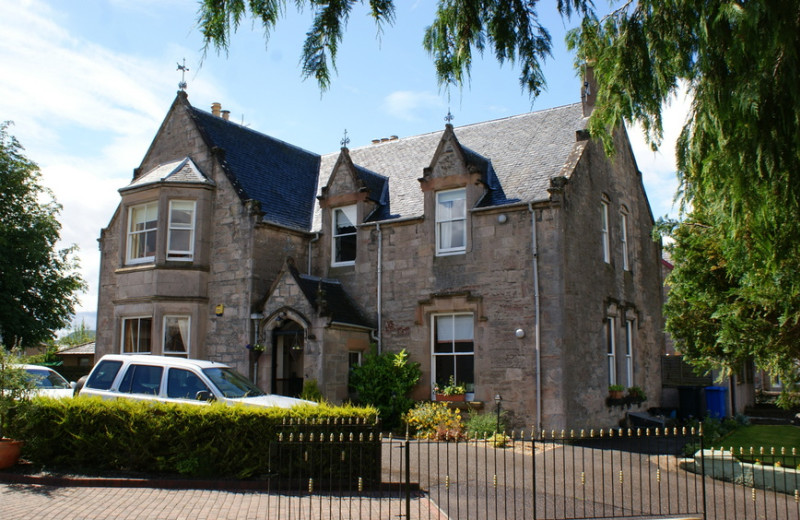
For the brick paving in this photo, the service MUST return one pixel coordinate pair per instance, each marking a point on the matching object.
(26, 501)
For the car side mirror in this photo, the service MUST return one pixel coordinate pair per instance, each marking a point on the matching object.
(205, 395)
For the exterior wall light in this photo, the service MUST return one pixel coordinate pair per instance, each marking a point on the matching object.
(519, 333)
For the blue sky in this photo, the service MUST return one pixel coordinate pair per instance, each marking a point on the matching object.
(87, 84)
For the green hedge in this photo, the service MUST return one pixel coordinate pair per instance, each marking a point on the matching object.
(200, 441)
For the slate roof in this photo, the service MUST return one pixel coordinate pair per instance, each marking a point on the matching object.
(330, 293)
(184, 170)
(281, 176)
(520, 153)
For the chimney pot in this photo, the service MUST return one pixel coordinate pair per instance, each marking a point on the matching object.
(226, 114)
(215, 108)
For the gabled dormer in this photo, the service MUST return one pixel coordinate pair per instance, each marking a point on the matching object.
(456, 181)
(353, 195)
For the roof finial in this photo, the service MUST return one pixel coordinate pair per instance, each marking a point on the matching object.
(449, 117)
(183, 68)
(345, 140)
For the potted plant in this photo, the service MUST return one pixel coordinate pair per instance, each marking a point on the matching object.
(616, 391)
(14, 384)
(451, 392)
(636, 395)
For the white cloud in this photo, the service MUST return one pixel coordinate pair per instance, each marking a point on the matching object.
(658, 168)
(84, 113)
(411, 106)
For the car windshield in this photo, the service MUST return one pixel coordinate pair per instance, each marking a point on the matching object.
(231, 383)
(47, 379)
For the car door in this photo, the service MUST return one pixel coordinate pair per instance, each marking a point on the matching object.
(141, 382)
(184, 385)
(101, 380)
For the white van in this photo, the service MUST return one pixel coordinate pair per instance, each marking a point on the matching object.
(177, 380)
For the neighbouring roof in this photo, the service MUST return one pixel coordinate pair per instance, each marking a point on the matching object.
(518, 156)
(181, 171)
(74, 350)
(281, 176)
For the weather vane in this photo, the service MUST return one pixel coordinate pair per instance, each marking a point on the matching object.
(183, 68)
(449, 117)
(345, 140)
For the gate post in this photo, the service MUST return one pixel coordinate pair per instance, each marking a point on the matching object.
(408, 478)
(533, 478)
(703, 467)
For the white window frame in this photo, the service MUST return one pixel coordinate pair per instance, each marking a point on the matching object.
(135, 236)
(359, 358)
(604, 231)
(138, 335)
(629, 329)
(186, 255)
(611, 349)
(447, 221)
(434, 354)
(624, 240)
(186, 335)
(351, 213)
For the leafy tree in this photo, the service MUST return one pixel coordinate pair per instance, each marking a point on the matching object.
(509, 28)
(78, 335)
(38, 284)
(384, 381)
(736, 286)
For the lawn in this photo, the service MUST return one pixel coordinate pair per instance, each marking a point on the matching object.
(758, 436)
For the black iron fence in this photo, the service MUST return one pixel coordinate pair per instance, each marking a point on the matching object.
(638, 473)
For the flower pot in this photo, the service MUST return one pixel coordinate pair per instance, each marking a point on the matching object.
(9, 452)
(460, 398)
(616, 394)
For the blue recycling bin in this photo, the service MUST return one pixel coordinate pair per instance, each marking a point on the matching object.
(717, 401)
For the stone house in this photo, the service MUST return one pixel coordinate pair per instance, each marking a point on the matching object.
(512, 255)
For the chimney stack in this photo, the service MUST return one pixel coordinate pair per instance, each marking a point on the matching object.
(588, 89)
(215, 108)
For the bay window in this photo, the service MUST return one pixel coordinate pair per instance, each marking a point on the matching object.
(137, 335)
(180, 242)
(142, 232)
(176, 335)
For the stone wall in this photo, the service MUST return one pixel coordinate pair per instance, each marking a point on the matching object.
(595, 290)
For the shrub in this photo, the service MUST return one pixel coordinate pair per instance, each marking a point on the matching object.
(199, 441)
(435, 420)
(311, 391)
(485, 424)
(385, 382)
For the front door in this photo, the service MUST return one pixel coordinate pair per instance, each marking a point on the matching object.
(288, 344)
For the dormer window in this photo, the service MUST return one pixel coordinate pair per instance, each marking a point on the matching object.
(180, 244)
(142, 230)
(451, 222)
(344, 237)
